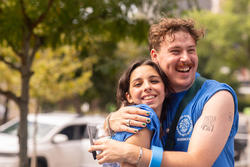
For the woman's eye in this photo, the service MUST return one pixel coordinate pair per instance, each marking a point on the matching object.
(155, 81)
(137, 84)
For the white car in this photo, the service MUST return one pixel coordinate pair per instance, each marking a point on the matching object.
(62, 141)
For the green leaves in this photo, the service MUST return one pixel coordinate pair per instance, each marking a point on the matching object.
(225, 43)
(55, 74)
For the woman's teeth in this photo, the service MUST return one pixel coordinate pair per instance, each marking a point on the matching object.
(148, 97)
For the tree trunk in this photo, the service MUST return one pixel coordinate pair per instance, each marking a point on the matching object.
(24, 110)
(77, 105)
(6, 112)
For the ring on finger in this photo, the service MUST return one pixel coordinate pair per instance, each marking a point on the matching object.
(128, 122)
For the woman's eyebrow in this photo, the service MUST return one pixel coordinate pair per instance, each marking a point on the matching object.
(136, 79)
(154, 76)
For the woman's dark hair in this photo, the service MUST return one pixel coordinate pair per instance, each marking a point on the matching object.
(124, 81)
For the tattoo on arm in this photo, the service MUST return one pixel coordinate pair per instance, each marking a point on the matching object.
(230, 118)
(208, 123)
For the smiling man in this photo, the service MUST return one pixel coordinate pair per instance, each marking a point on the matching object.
(208, 113)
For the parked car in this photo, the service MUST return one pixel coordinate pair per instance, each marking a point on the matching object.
(62, 140)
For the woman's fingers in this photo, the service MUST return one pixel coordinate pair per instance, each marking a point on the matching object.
(95, 148)
(102, 159)
(107, 148)
(99, 145)
(112, 151)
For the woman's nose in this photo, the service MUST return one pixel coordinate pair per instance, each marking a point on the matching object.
(147, 86)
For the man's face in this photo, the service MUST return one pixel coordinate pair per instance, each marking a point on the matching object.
(177, 57)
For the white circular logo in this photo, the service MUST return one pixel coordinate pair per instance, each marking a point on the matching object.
(185, 125)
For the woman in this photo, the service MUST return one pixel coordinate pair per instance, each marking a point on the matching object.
(143, 85)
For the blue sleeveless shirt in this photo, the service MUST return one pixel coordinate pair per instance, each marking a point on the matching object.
(154, 126)
(191, 114)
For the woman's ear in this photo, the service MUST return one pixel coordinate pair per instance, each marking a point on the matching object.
(129, 98)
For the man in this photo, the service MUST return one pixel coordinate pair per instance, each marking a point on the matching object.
(206, 128)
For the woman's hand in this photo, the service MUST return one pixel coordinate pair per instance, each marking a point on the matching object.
(115, 151)
(125, 117)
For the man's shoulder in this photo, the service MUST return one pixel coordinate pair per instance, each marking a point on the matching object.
(215, 85)
(211, 87)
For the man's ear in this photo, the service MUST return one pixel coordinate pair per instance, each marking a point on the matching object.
(153, 54)
(129, 98)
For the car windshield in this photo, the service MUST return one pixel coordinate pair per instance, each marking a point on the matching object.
(42, 129)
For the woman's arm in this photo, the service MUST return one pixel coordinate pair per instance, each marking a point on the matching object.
(142, 139)
(126, 153)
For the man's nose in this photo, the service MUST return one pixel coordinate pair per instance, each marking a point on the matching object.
(184, 56)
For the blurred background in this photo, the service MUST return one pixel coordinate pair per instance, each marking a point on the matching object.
(66, 56)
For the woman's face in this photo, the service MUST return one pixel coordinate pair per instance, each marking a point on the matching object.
(146, 87)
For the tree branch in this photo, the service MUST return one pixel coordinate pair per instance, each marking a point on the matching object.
(10, 95)
(14, 49)
(35, 49)
(27, 20)
(11, 65)
(43, 15)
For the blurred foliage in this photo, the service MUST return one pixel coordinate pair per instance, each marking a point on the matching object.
(225, 48)
(87, 44)
(114, 56)
(91, 29)
(244, 102)
(226, 43)
(106, 72)
(60, 73)
(9, 79)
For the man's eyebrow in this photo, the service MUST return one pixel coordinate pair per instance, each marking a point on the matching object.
(174, 47)
(192, 46)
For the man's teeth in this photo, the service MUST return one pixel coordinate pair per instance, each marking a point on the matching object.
(148, 97)
(184, 69)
